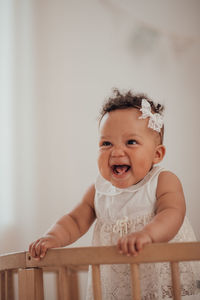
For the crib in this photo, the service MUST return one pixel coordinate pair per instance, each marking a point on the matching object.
(68, 262)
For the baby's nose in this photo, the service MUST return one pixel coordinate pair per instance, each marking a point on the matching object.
(118, 151)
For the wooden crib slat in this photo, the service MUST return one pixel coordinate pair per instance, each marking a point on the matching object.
(30, 284)
(2, 285)
(176, 280)
(63, 284)
(96, 280)
(135, 278)
(9, 290)
(68, 288)
(74, 285)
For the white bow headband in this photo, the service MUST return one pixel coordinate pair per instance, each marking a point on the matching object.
(155, 120)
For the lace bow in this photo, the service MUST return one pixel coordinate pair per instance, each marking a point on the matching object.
(155, 120)
(121, 226)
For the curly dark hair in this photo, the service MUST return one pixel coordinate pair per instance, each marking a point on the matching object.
(129, 100)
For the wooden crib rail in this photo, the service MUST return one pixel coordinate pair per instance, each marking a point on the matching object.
(159, 252)
(68, 261)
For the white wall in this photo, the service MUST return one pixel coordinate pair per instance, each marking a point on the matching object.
(67, 57)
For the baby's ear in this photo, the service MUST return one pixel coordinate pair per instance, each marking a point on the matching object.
(159, 154)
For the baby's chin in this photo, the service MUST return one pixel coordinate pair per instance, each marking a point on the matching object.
(121, 183)
(125, 182)
(120, 180)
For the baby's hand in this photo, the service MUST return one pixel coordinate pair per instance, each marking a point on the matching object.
(39, 248)
(132, 244)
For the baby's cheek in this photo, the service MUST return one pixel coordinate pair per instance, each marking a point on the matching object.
(141, 163)
(101, 163)
(144, 167)
(103, 166)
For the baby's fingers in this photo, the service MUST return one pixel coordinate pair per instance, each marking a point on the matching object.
(125, 246)
(32, 249)
(139, 244)
(43, 248)
(39, 248)
(132, 247)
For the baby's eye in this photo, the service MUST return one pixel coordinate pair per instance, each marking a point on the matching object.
(105, 144)
(132, 142)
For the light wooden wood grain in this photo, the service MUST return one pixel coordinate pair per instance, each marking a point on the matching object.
(31, 284)
(176, 280)
(67, 262)
(96, 281)
(135, 276)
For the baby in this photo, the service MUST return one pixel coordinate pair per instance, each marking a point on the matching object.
(134, 201)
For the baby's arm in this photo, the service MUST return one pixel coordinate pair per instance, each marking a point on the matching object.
(69, 228)
(170, 213)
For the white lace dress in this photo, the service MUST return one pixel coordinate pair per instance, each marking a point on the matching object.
(122, 211)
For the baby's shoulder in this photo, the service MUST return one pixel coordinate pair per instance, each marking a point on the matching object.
(166, 176)
(168, 182)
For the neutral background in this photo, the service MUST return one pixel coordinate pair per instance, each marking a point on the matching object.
(58, 61)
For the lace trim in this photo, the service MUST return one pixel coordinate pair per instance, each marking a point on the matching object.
(155, 278)
(155, 282)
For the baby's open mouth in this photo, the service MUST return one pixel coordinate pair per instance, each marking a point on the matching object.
(120, 169)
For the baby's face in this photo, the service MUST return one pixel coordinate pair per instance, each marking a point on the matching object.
(127, 147)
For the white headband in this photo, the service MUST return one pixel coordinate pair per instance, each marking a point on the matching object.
(155, 120)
